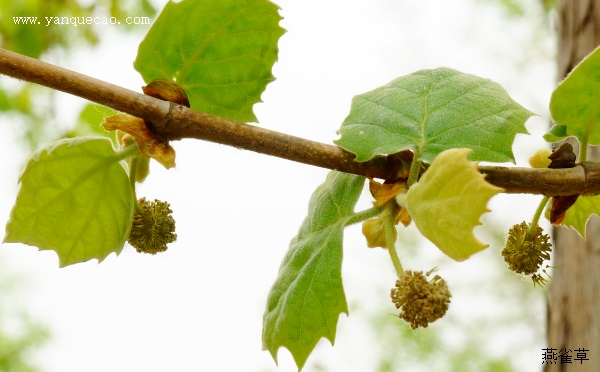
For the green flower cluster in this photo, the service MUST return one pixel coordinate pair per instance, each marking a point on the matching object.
(153, 228)
(420, 301)
(526, 251)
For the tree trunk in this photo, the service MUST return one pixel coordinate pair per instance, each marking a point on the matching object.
(574, 295)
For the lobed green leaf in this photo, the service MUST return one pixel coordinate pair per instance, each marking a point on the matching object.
(220, 52)
(307, 297)
(430, 111)
(75, 199)
(448, 201)
(575, 103)
(579, 213)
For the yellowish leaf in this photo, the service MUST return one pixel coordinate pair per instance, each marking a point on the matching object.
(149, 144)
(448, 201)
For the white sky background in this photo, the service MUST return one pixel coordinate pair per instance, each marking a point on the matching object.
(199, 306)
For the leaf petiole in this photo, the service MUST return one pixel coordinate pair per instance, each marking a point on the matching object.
(361, 216)
(126, 152)
(389, 235)
(415, 168)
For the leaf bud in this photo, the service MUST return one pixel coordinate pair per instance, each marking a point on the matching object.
(167, 91)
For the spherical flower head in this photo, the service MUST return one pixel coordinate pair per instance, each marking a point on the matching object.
(153, 228)
(525, 252)
(420, 301)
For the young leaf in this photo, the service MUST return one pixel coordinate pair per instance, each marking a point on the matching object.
(219, 52)
(90, 118)
(375, 231)
(307, 296)
(556, 133)
(75, 199)
(430, 111)
(448, 201)
(580, 212)
(575, 104)
(149, 144)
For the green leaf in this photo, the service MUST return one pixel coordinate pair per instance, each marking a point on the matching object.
(92, 116)
(90, 122)
(556, 133)
(307, 297)
(75, 199)
(430, 111)
(448, 201)
(579, 213)
(575, 103)
(219, 52)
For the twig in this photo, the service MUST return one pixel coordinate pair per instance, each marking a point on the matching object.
(176, 122)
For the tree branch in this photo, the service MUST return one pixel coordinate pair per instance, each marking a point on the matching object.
(175, 122)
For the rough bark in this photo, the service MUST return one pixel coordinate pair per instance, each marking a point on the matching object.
(574, 295)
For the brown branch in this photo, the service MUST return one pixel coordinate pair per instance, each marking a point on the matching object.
(175, 122)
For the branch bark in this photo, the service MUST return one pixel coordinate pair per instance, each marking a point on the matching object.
(175, 122)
